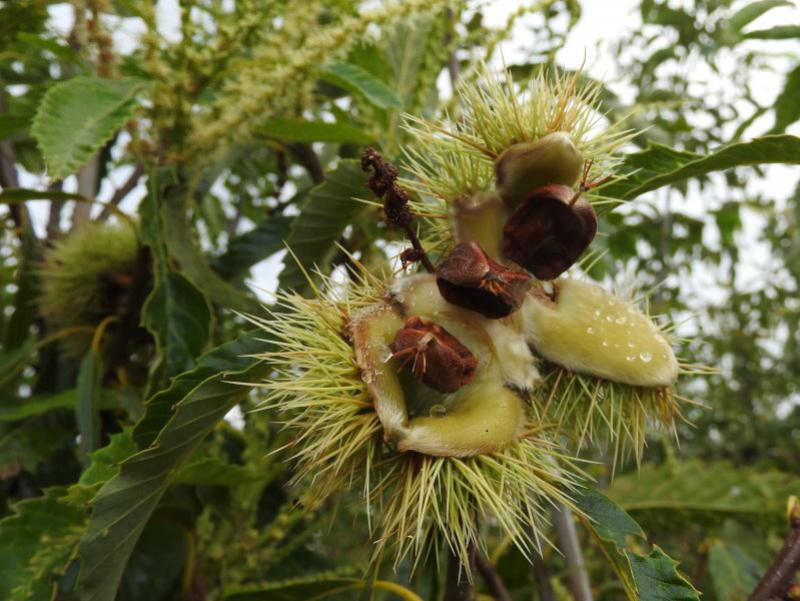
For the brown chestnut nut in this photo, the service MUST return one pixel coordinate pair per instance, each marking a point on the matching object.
(435, 356)
(549, 231)
(467, 277)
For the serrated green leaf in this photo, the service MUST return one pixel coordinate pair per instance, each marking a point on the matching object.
(657, 578)
(26, 446)
(103, 465)
(787, 104)
(176, 313)
(125, 503)
(295, 589)
(329, 208)
(159, 559)
(298, 130)
(178, 316)
(734, 574)
(244, 251)
(224, 359)
(650, 577)
(609, 521)
(170, 199)
(660, 165)
(684, 490)
(752, 11)
(779, 32)
(355, 79)
(36, 543)
(78, 116)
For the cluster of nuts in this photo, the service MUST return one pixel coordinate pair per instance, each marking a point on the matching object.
(549, 225)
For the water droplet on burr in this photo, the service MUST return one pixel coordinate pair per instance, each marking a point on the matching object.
(646, 357)
(438, 410)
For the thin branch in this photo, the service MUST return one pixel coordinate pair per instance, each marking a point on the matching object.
(541, 574)
(8, 173)
(87, 186)
(121, 192)
(54, 216)
(306, 156)
(775, 582)
(457, 585)
(492, 579)
(571, 548)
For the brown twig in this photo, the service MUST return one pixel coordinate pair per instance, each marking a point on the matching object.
(777, 580)
(571, 548)
(383, 184)
(306, 156)
(541, 573)
(492, 579)
(8, 174)
(458, 586)
(121, 192)
(54, 214)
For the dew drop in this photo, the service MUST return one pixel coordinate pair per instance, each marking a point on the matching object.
(598, 313)
(590, 330)
(646, 357)
(438, 410)
(621, 320)
(630, 358)
(609, 318)
(605, 343)
(631, 345)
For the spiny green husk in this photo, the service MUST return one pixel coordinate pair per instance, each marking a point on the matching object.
(457, 161)
(414, 501)
(83, 276)
(618, 416)
(455, 157)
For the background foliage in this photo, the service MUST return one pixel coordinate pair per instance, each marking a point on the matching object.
(119, 475)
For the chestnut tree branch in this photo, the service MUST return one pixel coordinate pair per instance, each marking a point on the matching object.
(122, 192)
(571, 548)
(541, 574)
(492, 579)
(305, 155)
(775, 582)
(457, 585)
(8, 173)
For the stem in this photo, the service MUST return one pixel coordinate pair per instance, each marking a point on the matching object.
(571, 548)
(122, 192)
(776, 581)
(541, 573)
(87, 187)
(457, 585)
(423, 256)
(493, 580)
(8, 175)
(306, 156)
